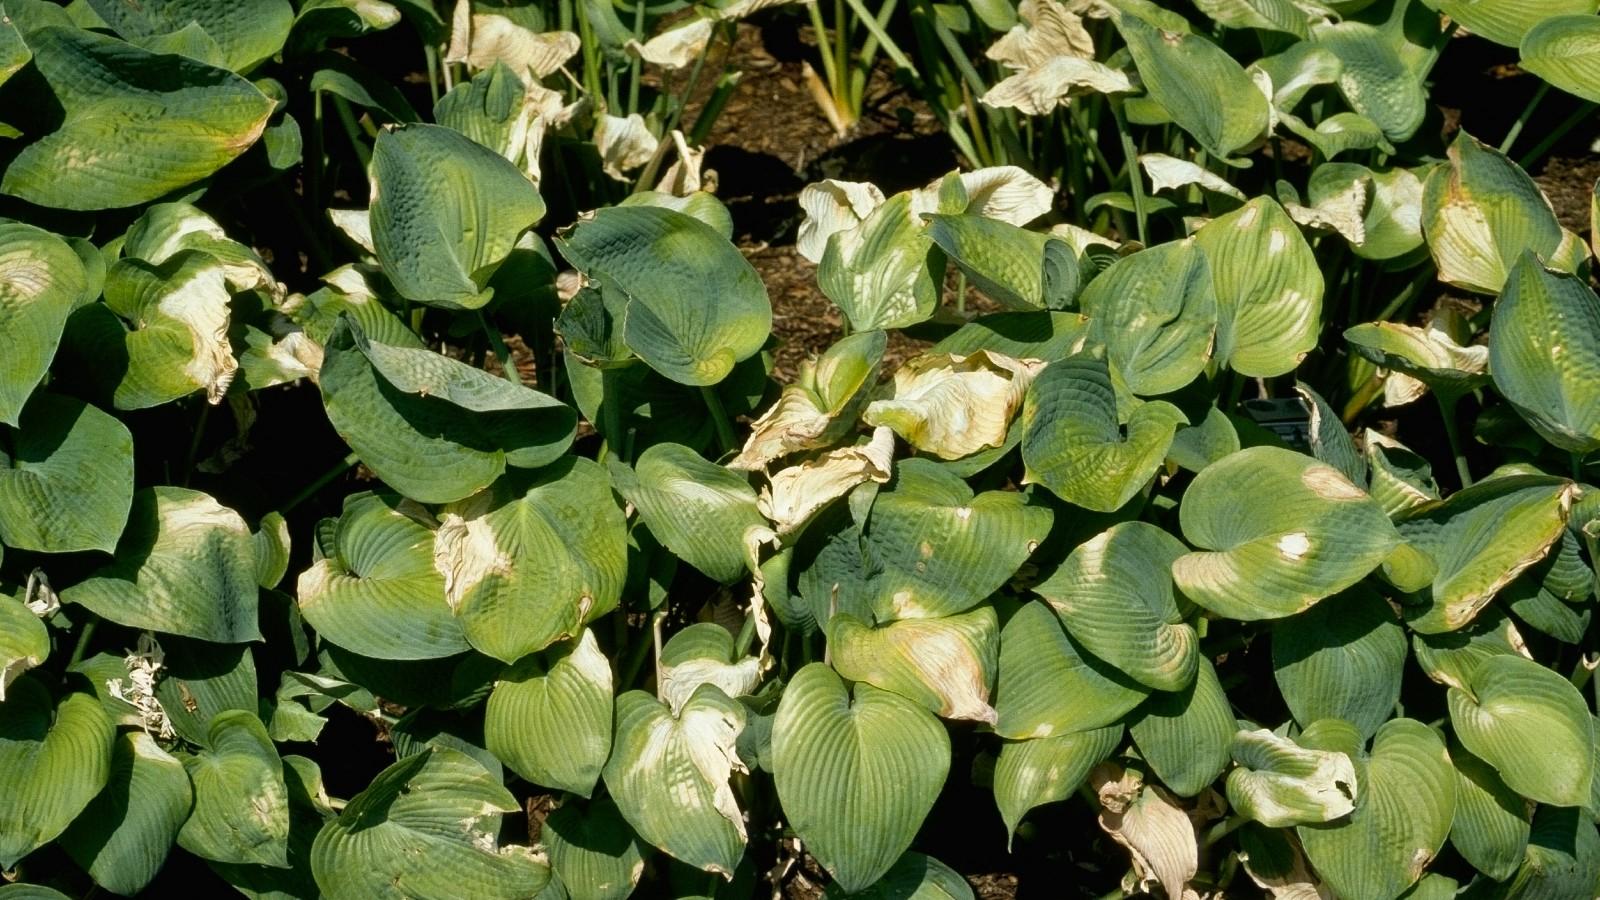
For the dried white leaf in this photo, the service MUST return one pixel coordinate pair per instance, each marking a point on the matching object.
(1169, 172)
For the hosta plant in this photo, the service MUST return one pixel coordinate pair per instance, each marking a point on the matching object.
(478, 551)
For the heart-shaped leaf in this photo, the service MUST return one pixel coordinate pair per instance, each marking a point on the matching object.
(41, 281)
(946, 664)
(1529, 723)
(693, 306)
(1002, 260)
(1374, 77)
(435, 429)
(1392, 224)
(593, 851)
(880, 272)
(1341, 659)
(1478, 541)
(1280, 783)
(1185, 734)
(125, 833)
(54, 758)
(1563, 856)
(377, 592)
(937, 549)
(1114, 594)
(245, 35)
(241, 806)
(535, 569)
(66, 481)
(550, 719)
(1196, 82)
(152, 123)
(1544, 353)
(185, 565)
(856, 776)
(1029, 774)
(703, 653)
(1156, 314)
(913, 877)
(669, 776)
(426, 827)
(701, 511)
(1049, 685)
(1481, 212)
(1565, 49)
(1319, 535)
(1404, 804)
(1268, 288)
(1072, 442)
(446, 211)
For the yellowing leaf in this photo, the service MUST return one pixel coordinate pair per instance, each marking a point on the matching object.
(952, 405)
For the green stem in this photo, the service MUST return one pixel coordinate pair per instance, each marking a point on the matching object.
(636, 654)
(829, 68)
(611, 410)
(1447, 409)
(322, 481)
(1131, 161)
(431, 55)
(497, 343)
(719, 418)
(82, 646)
(1407, 295)
(1582, 114)
(353, 131)
(889, 46)
(1522, 120)
(635, 66)
(194, 442)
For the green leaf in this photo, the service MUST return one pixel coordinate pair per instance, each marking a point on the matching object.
(693, 306)
(1196, 82)
(1318, 535)
(241, 806)
(703, 653)
(594, 851)
(1509, 21)
(199, 680)
(185, 565)
(1049, 685)
(446, 211)
(1565, 50)
(534, 570)
(1529, 723)
(913, 877)
(1481, 212)
(820, 407)
(1429, 355)
(1280, 783)
(1374, 79)
(1341, 659)
(1283, 16)
(1402, 813)
(435, 429)
(856, 776)
(175, 339)
(881, 272)
(936, 549)
(124, 834)
(14, 52)
(66, 480)
(1196, 446)
(699, 510)
(1020, 335)
(426, 827)
(271, 541)
(669, 776)
(1268, 286)
(946, 664)
(1002, 260)
(1156, 314)
(1449, 658)
(1029, 774)
(377, 591)
(1544, 353)
(1114, 594)
(247, 33)
(1491, 824)
(54, 758)
(1479, 540)
(1073, 445)
(549, 719)
(41, 281)
(134, 125)
(1185, 734)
